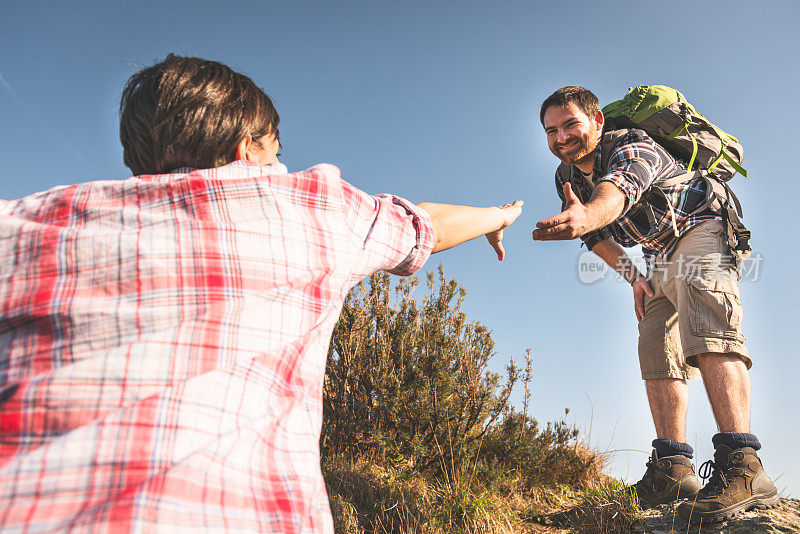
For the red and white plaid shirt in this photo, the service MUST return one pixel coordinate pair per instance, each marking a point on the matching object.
(163, 343)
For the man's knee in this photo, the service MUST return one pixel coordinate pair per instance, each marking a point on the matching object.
(713, 359)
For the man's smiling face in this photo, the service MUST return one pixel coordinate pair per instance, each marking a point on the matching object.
(571, 135)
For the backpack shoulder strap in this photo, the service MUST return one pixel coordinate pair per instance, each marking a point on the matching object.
(715, 188)
(679, 179)
(721, 199)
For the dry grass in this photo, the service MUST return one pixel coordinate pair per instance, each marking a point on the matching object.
(364, 501)
(369, 499)
(610, 507)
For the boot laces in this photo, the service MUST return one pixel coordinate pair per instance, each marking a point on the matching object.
(650, 473)
(718, 482)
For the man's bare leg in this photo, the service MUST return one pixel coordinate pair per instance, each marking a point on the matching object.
(743, 483)
(668, 481)
(669, 402)
(728, 387)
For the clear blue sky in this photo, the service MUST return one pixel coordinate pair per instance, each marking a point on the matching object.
(439, 101)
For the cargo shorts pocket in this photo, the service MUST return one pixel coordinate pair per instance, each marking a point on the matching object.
(714, 308)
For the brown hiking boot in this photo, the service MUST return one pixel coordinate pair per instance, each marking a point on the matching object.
(666, 480)
(738, 483)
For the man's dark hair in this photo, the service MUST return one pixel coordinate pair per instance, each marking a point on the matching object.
(190, 112)
(580, 96)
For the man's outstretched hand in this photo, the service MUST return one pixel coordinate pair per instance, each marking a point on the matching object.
(571, 223)
(510, 214)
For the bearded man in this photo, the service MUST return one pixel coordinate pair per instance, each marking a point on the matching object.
(689, 318)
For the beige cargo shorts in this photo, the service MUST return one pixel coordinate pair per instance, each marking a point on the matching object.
(695, 308)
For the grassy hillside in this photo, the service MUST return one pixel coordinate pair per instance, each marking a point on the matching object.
(419, 437)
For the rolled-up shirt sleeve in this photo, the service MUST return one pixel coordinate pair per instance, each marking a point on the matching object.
(386, 232)
(633, 167)
(595, 236)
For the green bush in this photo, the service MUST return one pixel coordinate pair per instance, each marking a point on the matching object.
(406, 382)
(546, 457)
(417, 435)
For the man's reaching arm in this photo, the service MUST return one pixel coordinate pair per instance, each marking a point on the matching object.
(577, 219)
(614, 255)
(453, 225)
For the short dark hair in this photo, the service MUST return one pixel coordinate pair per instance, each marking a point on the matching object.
(190, 112)
(580, 96)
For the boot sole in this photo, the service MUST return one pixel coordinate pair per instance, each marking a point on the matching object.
(762, 502)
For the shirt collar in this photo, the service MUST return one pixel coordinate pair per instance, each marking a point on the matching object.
(274, 168)
(277, 167)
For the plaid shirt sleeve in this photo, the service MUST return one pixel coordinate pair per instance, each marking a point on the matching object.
(633, 166)
(386, 232)
(590, 239)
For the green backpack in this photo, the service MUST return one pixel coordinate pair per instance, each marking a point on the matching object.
(676, 125)
(666, 116)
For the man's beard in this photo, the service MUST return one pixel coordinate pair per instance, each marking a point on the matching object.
(584, 154)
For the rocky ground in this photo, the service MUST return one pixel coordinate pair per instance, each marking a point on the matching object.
(783, 518)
